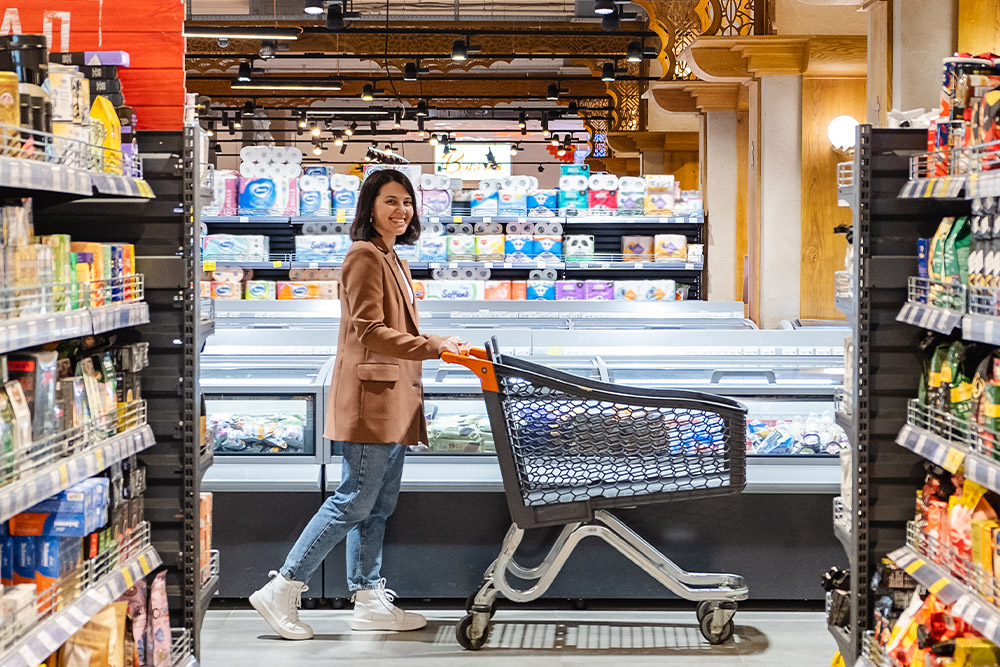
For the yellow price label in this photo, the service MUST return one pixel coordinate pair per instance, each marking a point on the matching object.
(129, 581)
(990, 410)
(554, 351)
(456, 219)
(144, 188)
(276, 263)
(953, 461)
(341, 215)
(99, 455)
(915, 565)
(64, 474)
(938, 586)
(144, 564)
(208, 265)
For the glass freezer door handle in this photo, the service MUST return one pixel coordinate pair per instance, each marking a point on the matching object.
(719, 375)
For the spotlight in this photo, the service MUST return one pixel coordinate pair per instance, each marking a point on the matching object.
(374, 128)
(237, 123)
(561, 152)
(211, 129)
(513, 151)
(267, 49)
(608, 72)
(368, 93)
(604, 7)
(339, 141)
(335, 17)
(343, 149)
(349, 130)
(397, 120)
(315, 130)
(244, 72)
(459, 50)
(554, 141)
(611, 21)
(553, 93)
(421, 108)
(420, 128)
(248, 108)
(410, 72)
(433, 141)
(303, 121)
(522, 121)
(634, 52)
(541, 169)
(317, 150)
(545, 126)
(573, 108)
(314, 7)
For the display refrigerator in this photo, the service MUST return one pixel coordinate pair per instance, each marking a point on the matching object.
(452, 513)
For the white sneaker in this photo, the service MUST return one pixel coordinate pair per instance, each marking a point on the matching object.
(373, 610)
(278, 602)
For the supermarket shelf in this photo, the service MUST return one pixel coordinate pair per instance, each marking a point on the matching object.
(205, 329)
(21, 333)
(983, 184)
(182, 648)
(983, 470)
(256, 219)
(590, 266)
(981, 328)
(125, 186)
(45, 638)
(841, 526)
(929, 317)
(23, 494)
(930, 575)
(933, 447)
(935, 187)
(845, 421)
(636, 266)
(44, 176)
(695, 218)
(843, 639)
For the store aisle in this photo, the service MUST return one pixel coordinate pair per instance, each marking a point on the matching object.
(547, 638)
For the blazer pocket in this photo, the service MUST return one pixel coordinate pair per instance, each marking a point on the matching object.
(368, 372)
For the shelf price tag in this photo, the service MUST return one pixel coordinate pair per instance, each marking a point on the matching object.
(508, 265)
(313, 265)
(456, 219)
(452, 265)
(953, 460)
(276, 263)
(434, 265)
(689, 266)
(605, 266)
(487, 219)
(208, 265)
(540, 264)
(487, 265)
(341, 215)
(638, 265)
(144, 564)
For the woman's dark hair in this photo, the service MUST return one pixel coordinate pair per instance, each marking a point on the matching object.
(363, 228)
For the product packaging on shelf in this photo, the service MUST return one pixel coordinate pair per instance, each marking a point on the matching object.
(484, 203)
(454, 290)
(435, 203)
(490, 247)
(670, 247)
(541, 290)
(21, 414)
(261, 290)
(512, 203)
(637, 248)
(461, 247)
(570, 290)
(518, 248)
(573, 202)
(548, 248)
(37, 374)
(225, 198)
(226, 291)
(603, 201)
(578, 247)
(575, 170)
(324, 247)
(231, 247)
(599, 290)
(658, 203)
(308, 290)
(433, 248)
(497, 290)
(317, 203)
(542, 203)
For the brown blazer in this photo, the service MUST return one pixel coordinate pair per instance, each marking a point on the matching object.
(377, 396)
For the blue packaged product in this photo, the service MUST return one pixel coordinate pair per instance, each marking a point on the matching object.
(433, 248)
(484, 203)
(519, 248)
(6, 561)
(512, 203)
(345, 200)
(55, 558)
(571, 201)
(257, 196)
(541, 290)
(549, 248)
(317, 170)
(543, 203)
(25, 557)
(72, 501)
(923, 248)
(407, 252)
(315, 203)
(321, 247)
(574, 170)
(229, 246)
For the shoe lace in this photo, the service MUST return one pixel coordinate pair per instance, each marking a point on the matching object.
(298, 589)
(388, 593)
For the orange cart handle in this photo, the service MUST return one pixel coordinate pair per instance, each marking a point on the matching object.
(476, 361)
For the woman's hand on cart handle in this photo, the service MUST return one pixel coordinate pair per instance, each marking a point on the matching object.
(454, 345)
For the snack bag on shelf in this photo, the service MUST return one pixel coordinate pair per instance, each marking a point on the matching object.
(136, 597)
(959, 379)
(956, 254)
(936, 262)
(935, 378)
(963, 508)
(158, 642)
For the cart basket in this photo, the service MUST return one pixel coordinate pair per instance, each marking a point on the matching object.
(568, 445)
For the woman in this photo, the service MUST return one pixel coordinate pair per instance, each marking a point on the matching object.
(375, 411)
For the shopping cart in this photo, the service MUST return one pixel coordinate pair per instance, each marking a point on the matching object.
(571, 449)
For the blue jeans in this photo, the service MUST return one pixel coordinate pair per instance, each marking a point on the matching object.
(366, 497)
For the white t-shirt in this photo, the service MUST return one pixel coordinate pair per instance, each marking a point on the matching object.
(406, 281)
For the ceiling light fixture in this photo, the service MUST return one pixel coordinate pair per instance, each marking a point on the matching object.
(562, 151)
(211, 129)
(268, 49)
(554, 140)
(303, 120)
(368, 93)
(243, 74)
(513, 150)
(317, 150)
(433, 141)
(237, 123)
(634, 53)
(611, 22)
(219, 32)
(410, 72)
(522, 120)
(339, 141)
(459, 50)
(335, 17)
(315, 130)
(608, 72)
(287, 84)
(553, 93)
(573, 109)
(397, 120)
(420, 128)
(421, 108)
(248, 108)
(349, 130)
(545, 125)
(314, 7)
(604, 7)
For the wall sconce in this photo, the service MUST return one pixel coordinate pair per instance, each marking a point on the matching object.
(840, 132)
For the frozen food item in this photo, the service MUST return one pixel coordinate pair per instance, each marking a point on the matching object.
(261, 290)
(490, 247)
(603, 201)
(518, 290)
(599, 290)
(37, 374)
(512, 203)
(637, 248)
(659, 203)
(519, 248)
(433, 248)
(231, 247)
(570, 290)
(542, 203)
(454, 290)
(541, 290)
(484, 203)
(461, 247)
(226, 291)
(497, 290)
(670, 247)
(548, 248)
(322, 247)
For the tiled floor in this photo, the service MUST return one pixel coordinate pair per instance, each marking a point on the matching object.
(529, 637)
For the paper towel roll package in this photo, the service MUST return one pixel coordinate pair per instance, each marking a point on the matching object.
(435, 202)
(574, 170)
(542, 203)
(578, 247)
(225, 198)
(603, 200)
(484, 203)
(658, 204)
(454, 290)
(261, 290)
(321, 248)
(571, 202)
(599, 290)
(570, 290)
(512, 203)
(541, 290)
(631, 203)
(519, 248)
(518, 290)
(433, 248)
(228, 275)
(316, 203)
(659, 290)
(629, 290)
(490, 248)
(407, 252)
(637, 248)
(496, 290)
(226, 291)
(548, 248)
(461, 247)
(229, 246)
(670, 247)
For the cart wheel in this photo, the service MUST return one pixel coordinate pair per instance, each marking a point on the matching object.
(706, 630)
(471, 600)
(462, 633)
(705, 608)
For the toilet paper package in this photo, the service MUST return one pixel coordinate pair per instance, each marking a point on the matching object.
(454, 290)
(637, 248)
(228, 246)
(572, 202)
(435, 202)
(570, 182)
(599, 290)
(229, 275)
(696, 253)
(316, 203)
(487, 229)
(490, 247)
(407, 252)
(570, 290)
(578, 247)
(548, 248)
(226, 291)
(629, 290)
(484, 203)
(602, 181)
(658, 204)
(603, 201)
(317, 170)
(512, 203)
(261, 290)
(308, 290)
(670, 247)
(660, 183)
(659, 290)
(432, 248)
(631, 203)
(574, 170)
(541, 290)
(323, 247)
(518, 290)
(461, 247)
(345, 200)
(519, 248)
(277, 195)
(542, 203)
(225, 199)
(419, 289)
(496, 290)
(632, 185)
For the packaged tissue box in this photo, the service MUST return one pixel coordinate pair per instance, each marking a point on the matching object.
(519, 248)
(269, 196)
(227, 246)
(543, 203)
(433, 248)
(435, 203)
(321, 247)
(484, 203)
(512, 203)
(226, 291)
(541, 290)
